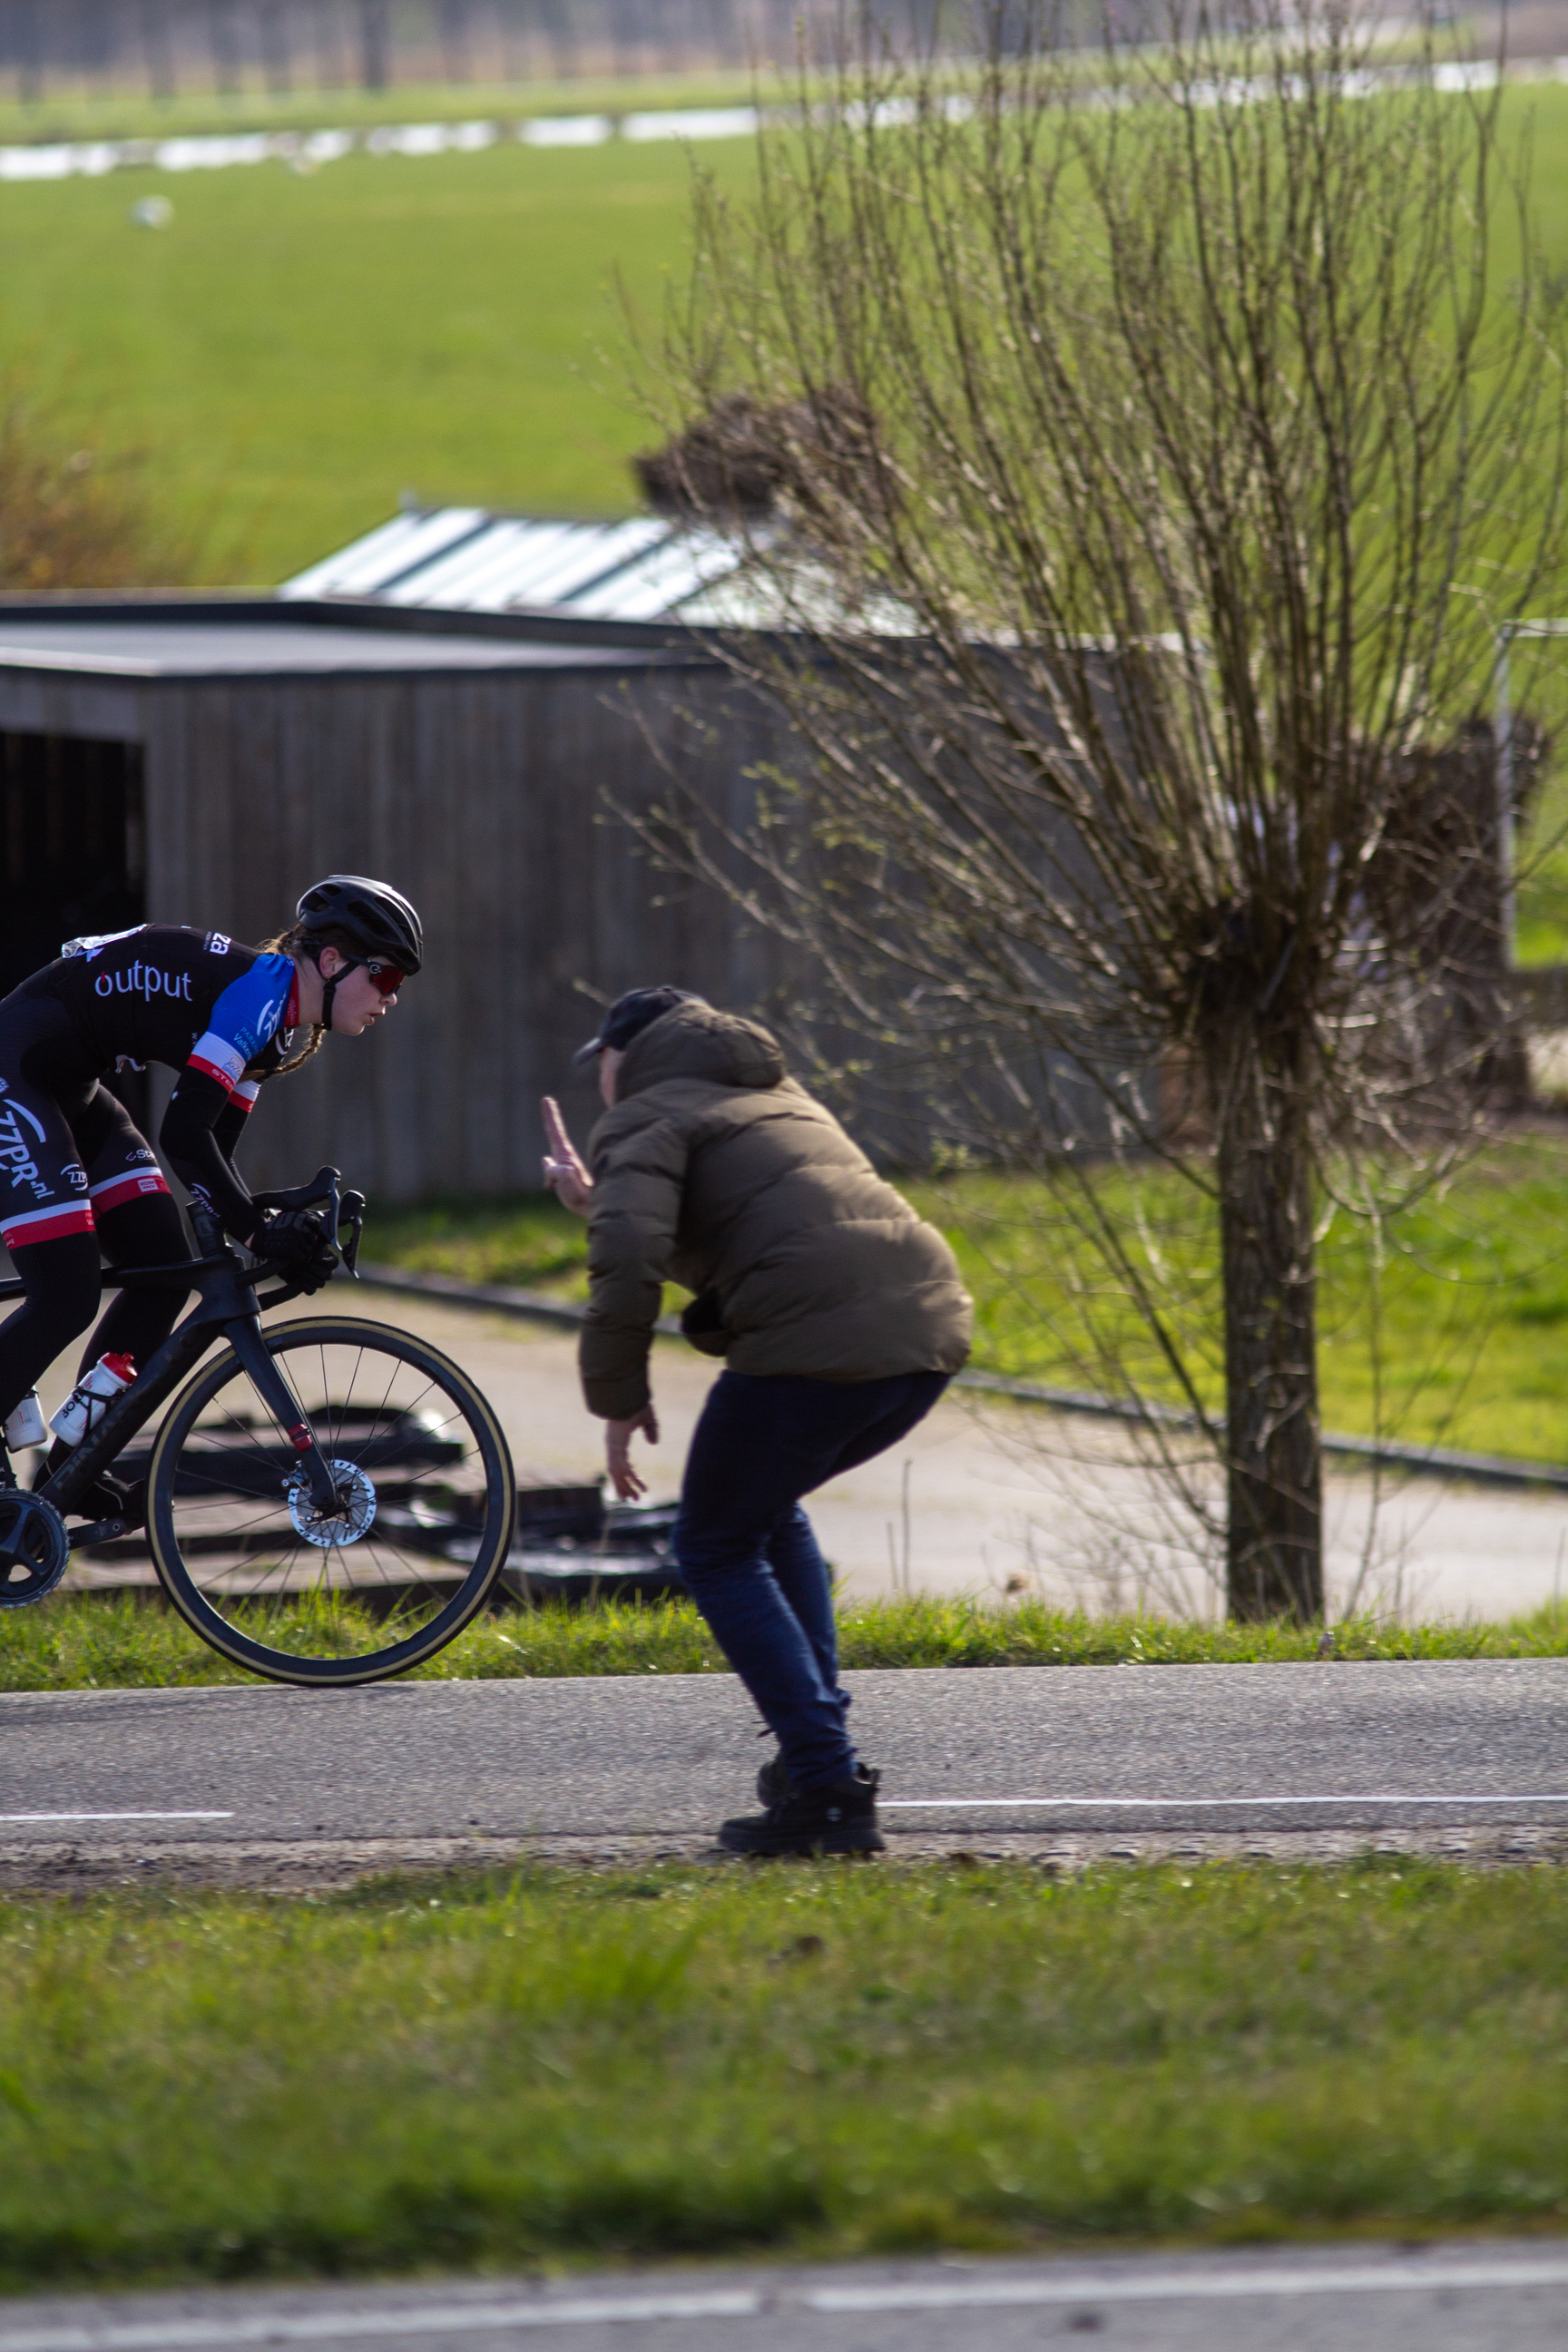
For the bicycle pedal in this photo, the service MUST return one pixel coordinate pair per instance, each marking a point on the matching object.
(98, 1531)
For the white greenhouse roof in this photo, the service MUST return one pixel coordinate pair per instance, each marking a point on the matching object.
(469, 560)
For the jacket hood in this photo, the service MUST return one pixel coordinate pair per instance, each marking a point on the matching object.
(696, 1041)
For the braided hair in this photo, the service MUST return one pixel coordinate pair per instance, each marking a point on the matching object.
(290, 943)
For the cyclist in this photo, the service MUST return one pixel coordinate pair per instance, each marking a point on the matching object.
(76, 1175)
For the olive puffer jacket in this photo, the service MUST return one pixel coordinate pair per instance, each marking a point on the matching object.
(716, 1171)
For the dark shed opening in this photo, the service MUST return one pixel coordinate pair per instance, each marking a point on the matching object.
(73, 838)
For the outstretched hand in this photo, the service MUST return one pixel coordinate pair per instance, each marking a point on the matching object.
(618, 1436)
(564, 1172)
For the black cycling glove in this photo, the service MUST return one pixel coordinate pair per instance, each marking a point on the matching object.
(295, 1243)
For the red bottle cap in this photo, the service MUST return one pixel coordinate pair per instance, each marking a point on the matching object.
(122, 1367)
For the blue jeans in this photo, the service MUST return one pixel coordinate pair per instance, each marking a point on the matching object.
(747, 1552)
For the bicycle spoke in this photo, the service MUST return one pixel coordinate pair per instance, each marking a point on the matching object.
(423, 1510)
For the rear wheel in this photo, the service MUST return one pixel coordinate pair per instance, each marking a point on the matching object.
(425, 1498)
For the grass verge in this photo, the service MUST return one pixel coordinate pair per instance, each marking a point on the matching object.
(1457, 1338)
(818, 2061)
(524, 1239)
(1471, 1308)
(108, 1642)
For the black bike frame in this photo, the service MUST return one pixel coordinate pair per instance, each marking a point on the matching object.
(229, 1308)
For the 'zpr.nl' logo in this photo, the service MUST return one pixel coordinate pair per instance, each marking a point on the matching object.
(16, 1152)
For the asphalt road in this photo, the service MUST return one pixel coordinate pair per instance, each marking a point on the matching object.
(1456, 2298)
(1034, 1752)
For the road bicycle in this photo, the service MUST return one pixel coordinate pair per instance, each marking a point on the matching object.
(328, 1500)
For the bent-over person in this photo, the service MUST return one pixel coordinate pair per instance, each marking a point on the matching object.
(840, 1316)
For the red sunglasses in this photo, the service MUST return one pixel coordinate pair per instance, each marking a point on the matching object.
(385, 977)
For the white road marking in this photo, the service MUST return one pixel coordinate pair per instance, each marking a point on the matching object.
(115, 1817)
(1065, 2286)
(329, 2328)
(1192, 1804)
(1193, 2286)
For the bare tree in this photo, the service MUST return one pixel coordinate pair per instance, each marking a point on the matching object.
(1198, 455)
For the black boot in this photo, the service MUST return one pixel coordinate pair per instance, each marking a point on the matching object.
(773, 1783)
(838, 1819)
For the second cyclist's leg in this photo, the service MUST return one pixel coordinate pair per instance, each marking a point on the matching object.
(138, 1224)
(145, 1229)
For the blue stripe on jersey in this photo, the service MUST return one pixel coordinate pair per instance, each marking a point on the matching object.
(246, 1017)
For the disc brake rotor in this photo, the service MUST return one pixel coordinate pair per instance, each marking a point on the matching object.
(35, 1550)
(352, 1517)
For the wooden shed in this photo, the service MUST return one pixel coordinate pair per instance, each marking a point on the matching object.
(202, 761)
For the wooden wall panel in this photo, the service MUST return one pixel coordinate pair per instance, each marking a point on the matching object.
(487, 795)
(37, 702)
(481, 795)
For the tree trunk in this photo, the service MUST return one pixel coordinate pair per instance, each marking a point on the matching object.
(1274, 1549)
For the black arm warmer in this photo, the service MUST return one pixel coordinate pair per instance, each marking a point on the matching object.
(227, 1127)
(199, 1134)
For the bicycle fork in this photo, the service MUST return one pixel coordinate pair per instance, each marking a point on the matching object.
(245, 1337)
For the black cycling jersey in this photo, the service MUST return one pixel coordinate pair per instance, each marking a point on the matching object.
(164, 992)
(220, 1013)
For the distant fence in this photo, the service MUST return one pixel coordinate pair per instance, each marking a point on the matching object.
(166, 48)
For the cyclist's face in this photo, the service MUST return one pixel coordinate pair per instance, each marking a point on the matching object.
(357, 1001)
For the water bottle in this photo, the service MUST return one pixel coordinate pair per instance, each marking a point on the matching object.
(89, 1401)
(25, 1424)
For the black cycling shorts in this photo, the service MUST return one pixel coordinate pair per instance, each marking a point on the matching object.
(67, 1152)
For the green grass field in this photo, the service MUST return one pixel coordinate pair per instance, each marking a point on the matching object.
(294, 352)
(1472, 1305)
(535, 2067)
(1461, 1340)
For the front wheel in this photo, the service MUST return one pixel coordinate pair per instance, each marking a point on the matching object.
(425, 1493)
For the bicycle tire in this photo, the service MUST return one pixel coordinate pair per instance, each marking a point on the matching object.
(221, 1484)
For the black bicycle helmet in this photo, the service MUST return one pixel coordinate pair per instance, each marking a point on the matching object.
(377, 919)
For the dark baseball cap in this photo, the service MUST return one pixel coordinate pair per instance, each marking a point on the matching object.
(628, 1016)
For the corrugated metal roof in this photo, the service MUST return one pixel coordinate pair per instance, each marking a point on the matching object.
(371, 564)
(466, 559)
